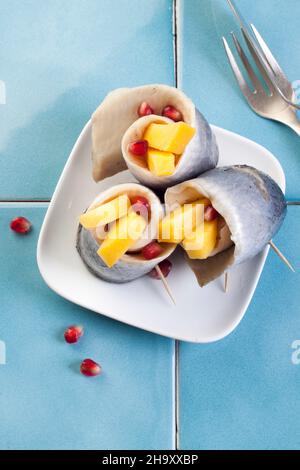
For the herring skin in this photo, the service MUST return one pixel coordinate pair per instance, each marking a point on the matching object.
(125, 270)
(204, 144)
(129, 266)
(250, 201)
(118, 113)
(201, 153)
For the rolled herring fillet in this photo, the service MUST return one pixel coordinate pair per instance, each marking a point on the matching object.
(118, 112)
(131, 265)
(252, 205)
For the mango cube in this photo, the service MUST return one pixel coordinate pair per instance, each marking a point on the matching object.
(195, 239)
(161, 163)
(121, 237)
(177, 225)
(106, 213)
(201, 242)
(172, 137)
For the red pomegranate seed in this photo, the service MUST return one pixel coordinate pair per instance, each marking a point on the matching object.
(141, 200)
(141, 206)
(145, 109)
(210, 213)
(20, 225)
(73, 333)
(165, 267)
(152, 250)
(139, 148)
(90, 368)
(172, 113)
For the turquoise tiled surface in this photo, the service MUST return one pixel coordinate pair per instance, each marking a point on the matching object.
(205, 75)
(45, 402)
(243, 392)
(58, 60)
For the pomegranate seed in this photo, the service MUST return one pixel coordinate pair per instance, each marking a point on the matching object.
(73, 333)
(140, 200)
(20, 225)
(172, 113)
(145, 109)
(90, 368)
(210, 213)
(141, 206)
(139, 148)
(152, 250)
(165, 267)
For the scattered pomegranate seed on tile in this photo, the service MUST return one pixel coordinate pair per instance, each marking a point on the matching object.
(152, 250)
(20, 225)
(73, 333)
(139, 148)
(90, 368)
(210, 213)
(165, 267)
(145, 109)
(172, 113)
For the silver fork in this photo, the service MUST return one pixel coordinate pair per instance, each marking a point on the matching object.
(277, 103)
(268, 61)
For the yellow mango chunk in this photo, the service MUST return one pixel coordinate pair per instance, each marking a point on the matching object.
(177, 225)
(172, 137)
(195, 239)
(121, 237)
(161, 163)
(201, 242)
(106, 213)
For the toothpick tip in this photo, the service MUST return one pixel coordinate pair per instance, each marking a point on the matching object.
(166, 285)
(225, 282)
(281, 256)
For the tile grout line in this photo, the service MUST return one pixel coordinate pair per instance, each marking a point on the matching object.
(290, 202)
(175, 50)
(46, 201)
(25, 201)
(4, 203)
(176, 365)
(176, 405)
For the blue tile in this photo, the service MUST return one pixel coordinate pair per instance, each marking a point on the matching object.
(45, 402)
(243, 392)
(58, 60)
(206, 76)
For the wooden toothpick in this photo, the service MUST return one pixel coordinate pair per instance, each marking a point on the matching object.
(281, 256)
(278, 253)
(166, 285)
(293, 203)
(225, 281)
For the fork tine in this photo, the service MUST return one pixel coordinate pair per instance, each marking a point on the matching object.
(277, 83)
(259, 62)
(267, 53)
(246, 33)
(251, 73)
(237, 73)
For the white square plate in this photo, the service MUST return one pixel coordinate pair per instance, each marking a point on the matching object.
(200, 315)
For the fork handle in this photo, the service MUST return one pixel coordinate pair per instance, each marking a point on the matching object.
(289, 118)
(295, 126)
